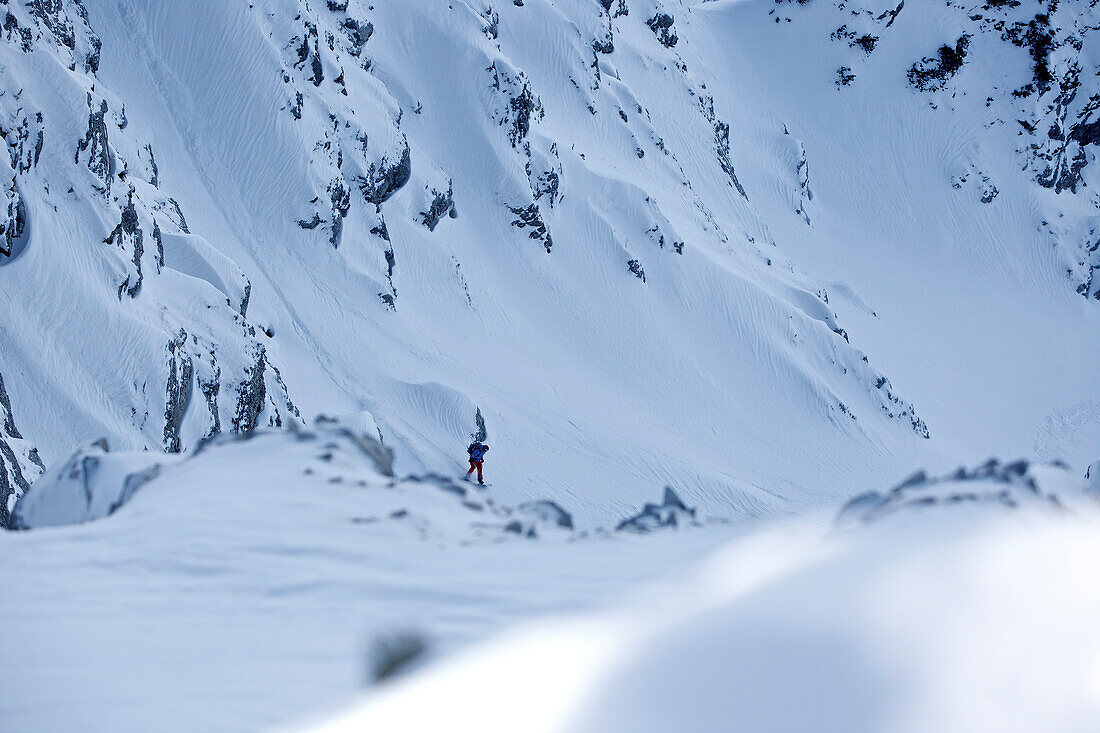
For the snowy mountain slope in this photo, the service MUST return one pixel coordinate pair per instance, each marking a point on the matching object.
(926, 271)
(255, 574)
(969, 616)
(771, 254)
(298, 166)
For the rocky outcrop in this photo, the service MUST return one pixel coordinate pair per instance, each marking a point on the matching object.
(178, 392)
(127, 236)
(520, 105)
(93, 149)
(385, 177)
(20, 465)
(251, 393)
(93, 483)
(897, 409)
(722, 142)
(661, 25)
(671, 512)
(931, 74)
(529, 217)
(992, 484)
(13, 219)
(442, 204)
(340, 199)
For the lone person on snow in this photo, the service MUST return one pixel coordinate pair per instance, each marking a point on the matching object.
(477, 451)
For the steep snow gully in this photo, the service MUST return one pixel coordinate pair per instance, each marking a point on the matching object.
(753, 257)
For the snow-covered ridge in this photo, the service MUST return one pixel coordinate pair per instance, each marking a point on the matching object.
(95, 482)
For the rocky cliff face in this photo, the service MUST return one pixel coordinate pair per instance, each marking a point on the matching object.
(110, 175)
(1047, 93)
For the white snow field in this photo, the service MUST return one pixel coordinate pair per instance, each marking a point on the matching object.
(772, 254)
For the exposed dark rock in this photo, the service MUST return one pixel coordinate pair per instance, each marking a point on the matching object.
(51, 13)
(12, 481)
(210, 389)
(391, 263)
(480, 435)
(545, 186)
(636, 267)
(384, 178)
(312, 223)
(359, 32)
(178, 393)
(251, 393)
(530, 217)
(340, 198)
(16, 34)
(895, 408)
(8, 423)
(866, 42)
(891, 15)
(442, 204)
(722, 140)
(931, 74)
(620, 7)
(154, 176)
(19, 465)
(661, 25)
(94, 144)
(24, 141)
(671, 512)
(522, 103)
(844, 76)
(1038, 37)
(128, 235)
(13, 220)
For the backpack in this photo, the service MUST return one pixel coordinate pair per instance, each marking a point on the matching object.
(471, 448)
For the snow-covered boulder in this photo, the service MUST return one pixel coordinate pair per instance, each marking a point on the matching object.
(671, 512)
(93, 483)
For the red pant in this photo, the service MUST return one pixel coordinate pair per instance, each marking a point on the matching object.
(475, 464)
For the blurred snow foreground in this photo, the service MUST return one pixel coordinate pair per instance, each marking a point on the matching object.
(249, 573)
(966, 603)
